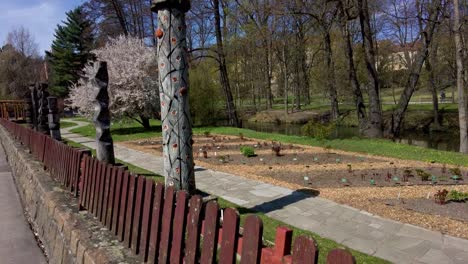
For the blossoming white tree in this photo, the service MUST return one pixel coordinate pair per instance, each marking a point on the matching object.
(133, 84)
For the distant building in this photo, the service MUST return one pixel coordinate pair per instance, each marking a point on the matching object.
(396, 57)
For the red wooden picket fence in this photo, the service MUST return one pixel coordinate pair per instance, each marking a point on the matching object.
(61, 161)
(159, 224)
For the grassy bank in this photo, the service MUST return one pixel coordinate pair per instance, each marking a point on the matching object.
(132, 131)
(269, 224)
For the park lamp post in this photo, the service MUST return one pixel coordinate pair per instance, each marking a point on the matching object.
(174, 87)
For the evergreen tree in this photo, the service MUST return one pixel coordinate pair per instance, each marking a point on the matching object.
(71, 49)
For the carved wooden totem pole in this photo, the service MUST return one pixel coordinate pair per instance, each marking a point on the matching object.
(54, 118)
(29, 111)
(34, 103)
(174, 88)
(99, 80)
(43, 109)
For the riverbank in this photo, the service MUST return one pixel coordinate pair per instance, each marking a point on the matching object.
(418, 117)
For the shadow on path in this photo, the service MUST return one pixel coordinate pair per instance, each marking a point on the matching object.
(284, 201)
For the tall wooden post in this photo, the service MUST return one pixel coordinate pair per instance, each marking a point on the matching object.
(34, 103)
(43, 109)
(54, 118)
(174, 83)
(99, 80)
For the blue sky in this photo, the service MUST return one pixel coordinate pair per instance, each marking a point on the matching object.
(39, 16)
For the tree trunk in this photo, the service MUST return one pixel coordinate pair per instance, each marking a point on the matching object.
(145, 122)
(285, 78)
(462, 97)
(302, 61)
(120, 16)
(331, 82)
(432, 85)
(231, 107)
(358, 98)
(397, 118)
(153, 35)
(175, 110)
(374, 125)
(269, 94)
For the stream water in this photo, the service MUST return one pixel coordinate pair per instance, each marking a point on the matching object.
(436, 140)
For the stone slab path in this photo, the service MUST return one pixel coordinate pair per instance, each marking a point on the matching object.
(17, 242)
(360, 230)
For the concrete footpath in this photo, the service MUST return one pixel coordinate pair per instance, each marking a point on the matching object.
(17, 242)
(360, 230)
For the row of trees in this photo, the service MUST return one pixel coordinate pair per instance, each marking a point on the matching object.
(20, 64)
(264, 52)
(337, 48)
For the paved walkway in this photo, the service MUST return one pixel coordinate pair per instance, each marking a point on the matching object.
(387, 239)
(17, 242)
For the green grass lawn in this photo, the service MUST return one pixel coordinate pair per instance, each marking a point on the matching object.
(382, 147)
(123, 130)
(269, 224)
(65, 124)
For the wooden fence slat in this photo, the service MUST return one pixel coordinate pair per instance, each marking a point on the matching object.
(84, 181)
(116, 200)
(43, 148)
(90, 181)
(95, 184)
(66, 169)
(105, 193)
(304, 251)
(88, 176)
(193, 230)
(210, 233)
(92, 185)
(130, 210)
(252, 240)
(283, 241)
(164, 245)
(110, 200)
(102, 181)
(123, 206)
(73, 163)
(157, 210)
(146, 218)
(80, 171)
(230, 236)
(178, 228)
(71, 167)
(136, 233)
(48, 154)
(340, 256)
(63, 165)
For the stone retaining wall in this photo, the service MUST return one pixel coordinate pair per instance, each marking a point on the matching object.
(67, 235)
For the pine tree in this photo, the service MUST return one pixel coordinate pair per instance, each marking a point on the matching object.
(71, 49)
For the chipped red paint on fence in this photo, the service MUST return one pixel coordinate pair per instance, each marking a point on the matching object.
(157, 223)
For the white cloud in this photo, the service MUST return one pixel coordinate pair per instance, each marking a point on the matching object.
(40, 17)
